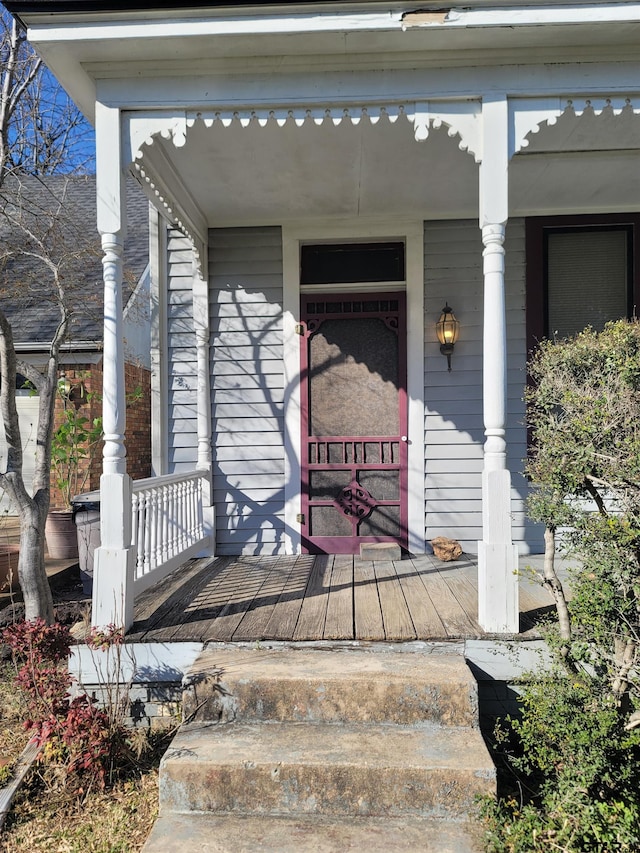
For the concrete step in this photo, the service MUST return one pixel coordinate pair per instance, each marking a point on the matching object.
(414, 683)
(341, 769)
(238, 834)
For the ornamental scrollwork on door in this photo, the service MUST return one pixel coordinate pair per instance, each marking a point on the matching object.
(355, 501)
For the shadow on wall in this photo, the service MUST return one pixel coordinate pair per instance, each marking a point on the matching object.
(248, 401)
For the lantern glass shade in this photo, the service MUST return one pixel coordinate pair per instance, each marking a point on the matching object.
(447, 327)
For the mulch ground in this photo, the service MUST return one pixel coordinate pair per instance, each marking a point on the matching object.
(70, 603)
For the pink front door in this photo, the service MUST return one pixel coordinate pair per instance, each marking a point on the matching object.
(354, 421)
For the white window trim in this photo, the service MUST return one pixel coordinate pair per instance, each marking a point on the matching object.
(412, 233)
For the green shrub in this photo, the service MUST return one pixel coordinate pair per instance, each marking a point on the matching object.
(575, 751)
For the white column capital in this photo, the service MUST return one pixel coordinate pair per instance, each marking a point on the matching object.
(112, 243)
(110, 170)
(493, 237)
(494, 168)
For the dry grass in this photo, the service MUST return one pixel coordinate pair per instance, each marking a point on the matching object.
(117, 821)
(13, 737)
(45, 820)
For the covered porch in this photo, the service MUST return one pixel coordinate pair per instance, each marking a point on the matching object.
(326, 598)
(256, 138)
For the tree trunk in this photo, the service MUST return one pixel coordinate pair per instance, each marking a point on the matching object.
(38, 602)
(625, 655)
(554, 584)
(32, 510)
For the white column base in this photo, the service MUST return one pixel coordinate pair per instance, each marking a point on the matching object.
(209, 525)
(114, 560)
(498, 607)
(498, 610)
(113, 587)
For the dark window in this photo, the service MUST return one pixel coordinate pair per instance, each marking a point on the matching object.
(588, 277)
(581, 271)
(346, 263)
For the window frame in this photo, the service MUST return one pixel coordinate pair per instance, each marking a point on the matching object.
(536, 228)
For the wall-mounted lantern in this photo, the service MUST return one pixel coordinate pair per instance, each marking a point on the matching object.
(447, 329)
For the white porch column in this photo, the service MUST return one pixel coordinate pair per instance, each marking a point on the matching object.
(114, 559)
(201, 324)
(497, 555)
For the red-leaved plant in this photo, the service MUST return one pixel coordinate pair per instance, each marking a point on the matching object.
(74, 732)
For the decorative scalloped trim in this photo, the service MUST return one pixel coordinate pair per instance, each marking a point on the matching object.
(300, 115)
(151, 186)
(547, 111)
(462, 118)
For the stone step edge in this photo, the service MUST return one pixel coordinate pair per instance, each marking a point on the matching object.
(228, 682)
(208, 698)
(279, 768)
(310, 834)
(206, 741)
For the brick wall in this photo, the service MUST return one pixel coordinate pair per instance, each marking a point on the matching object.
(86, 397)
(138, 434)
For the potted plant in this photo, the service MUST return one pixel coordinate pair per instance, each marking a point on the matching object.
(72, 449)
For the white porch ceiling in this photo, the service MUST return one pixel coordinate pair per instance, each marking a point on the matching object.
(274, 174)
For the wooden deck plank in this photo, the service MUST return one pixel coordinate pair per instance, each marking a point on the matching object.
(284, 617)
(256, 592)
(181, 583)
(326, 597)
(534, 596)
(398, 624)
(463, 591)
(339, 621)
(367, 614)
(427, 623)
(161, 608)
(454, 619)
(313, 612)
(534, 600)
(247, 614)
(203, 608)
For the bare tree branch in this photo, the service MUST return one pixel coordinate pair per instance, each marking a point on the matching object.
(41, 133)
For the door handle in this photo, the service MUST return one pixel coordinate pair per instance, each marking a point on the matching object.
(403, 438)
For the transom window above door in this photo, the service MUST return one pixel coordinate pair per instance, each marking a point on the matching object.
(351, 263)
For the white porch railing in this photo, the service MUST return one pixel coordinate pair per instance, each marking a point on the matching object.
(169, 524)
(172, 520)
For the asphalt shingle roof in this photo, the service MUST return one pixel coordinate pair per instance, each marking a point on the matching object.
(72, 240)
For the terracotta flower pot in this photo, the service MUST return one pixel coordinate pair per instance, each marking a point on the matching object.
(61, 536)
(9, 567)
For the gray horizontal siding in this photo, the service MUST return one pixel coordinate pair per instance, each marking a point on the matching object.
(181, 367)
(247, 389)
(454, 430)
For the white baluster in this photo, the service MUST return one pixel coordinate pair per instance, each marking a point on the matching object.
(189, 511)
(183, 516)
(144, 564)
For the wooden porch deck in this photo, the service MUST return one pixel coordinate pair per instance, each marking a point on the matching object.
(247, 599)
